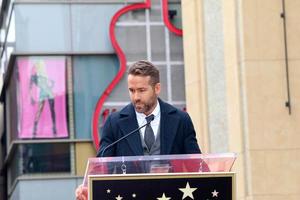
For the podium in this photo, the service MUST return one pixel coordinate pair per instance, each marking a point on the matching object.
(161, 177)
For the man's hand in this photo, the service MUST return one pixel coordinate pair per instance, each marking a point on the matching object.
(81, 193)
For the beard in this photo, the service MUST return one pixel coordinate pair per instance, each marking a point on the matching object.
(145, 107)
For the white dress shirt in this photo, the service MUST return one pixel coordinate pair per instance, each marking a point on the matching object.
(154, 124)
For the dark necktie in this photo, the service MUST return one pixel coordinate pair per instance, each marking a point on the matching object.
(149, 134)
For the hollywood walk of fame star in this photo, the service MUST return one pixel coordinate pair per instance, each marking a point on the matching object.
(215, 193)
(164, 197)
(187, 191)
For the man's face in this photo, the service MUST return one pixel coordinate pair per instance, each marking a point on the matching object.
(143, 95)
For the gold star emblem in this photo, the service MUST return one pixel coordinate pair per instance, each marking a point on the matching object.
(164, 197)
(119, 197)
(215, 193)
(187, 191)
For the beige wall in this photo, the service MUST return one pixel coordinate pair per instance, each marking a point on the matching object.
(273, 134)
(261, 131)
(194, 70)
(84, 150)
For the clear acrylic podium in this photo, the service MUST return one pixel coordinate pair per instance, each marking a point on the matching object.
(137, 177)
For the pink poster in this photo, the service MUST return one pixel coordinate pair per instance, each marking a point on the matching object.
(42, 98)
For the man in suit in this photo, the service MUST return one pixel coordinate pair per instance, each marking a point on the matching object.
(173, 129)
(170, 131)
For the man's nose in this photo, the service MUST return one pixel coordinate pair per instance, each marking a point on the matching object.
(136, 96)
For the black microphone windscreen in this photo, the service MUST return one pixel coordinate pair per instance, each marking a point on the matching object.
(151, 117)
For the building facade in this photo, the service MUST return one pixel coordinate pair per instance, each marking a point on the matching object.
(231, 64)
(64, 66)
(242, 89)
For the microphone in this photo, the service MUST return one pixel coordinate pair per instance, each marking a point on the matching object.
(151, 117)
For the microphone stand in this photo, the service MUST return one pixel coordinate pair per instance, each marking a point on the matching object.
(125, 136)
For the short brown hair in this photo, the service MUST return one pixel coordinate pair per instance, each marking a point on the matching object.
(145, 68)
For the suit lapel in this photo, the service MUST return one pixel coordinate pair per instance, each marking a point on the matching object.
(168, 127)
(127, 124)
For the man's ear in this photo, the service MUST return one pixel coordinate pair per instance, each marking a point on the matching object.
(157, 88)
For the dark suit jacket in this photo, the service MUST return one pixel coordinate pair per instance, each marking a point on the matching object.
(177, 133)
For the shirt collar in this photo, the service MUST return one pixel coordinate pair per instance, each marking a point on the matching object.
(155, 112)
